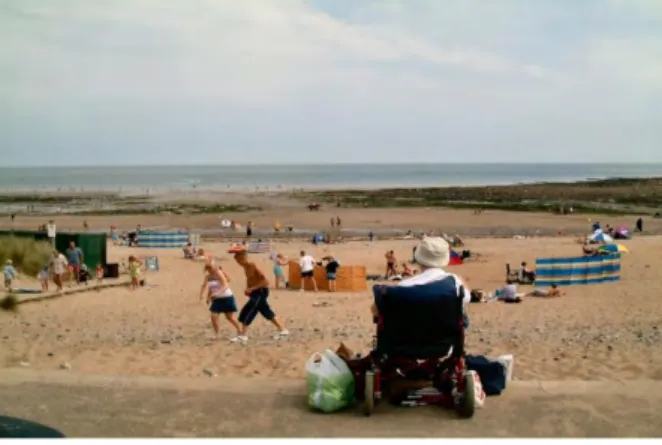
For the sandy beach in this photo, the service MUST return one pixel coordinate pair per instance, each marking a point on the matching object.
(598, 332)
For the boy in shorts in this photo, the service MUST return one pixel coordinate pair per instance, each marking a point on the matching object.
(257, 291)
(332, 266)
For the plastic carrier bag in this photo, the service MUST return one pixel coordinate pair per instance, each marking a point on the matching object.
(330, 382)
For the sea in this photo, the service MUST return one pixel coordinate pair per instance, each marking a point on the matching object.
(330, 176)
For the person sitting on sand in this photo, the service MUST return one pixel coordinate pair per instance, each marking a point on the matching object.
(554, 291)
(391, 264)
(189, 251)
(220, 299)
(525, 275)
(257, 291)
(407, 270)
(510, 292)
(279, 261)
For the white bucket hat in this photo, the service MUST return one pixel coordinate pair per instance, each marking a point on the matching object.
(432, 252)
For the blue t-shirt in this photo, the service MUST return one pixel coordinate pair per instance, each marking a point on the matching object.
(74, 255)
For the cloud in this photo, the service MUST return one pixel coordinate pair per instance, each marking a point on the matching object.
(376, 78)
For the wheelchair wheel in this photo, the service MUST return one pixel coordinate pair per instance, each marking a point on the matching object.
(369, 393)
(467, 404)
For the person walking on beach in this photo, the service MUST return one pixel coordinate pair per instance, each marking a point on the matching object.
(58, 266)
(257, 291)
(332, 221)
(639, 225)
(307, 266)
(51, 231)
(279, 261)
(391, 264)
(338, 222)
(9, 274)
(75, 258)
(220, 299)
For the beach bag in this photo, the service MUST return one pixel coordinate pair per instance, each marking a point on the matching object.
(330, 382)
(492, 373)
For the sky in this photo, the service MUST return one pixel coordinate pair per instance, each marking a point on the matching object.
(126, 82)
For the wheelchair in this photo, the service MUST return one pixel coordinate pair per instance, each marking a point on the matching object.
(420, 337)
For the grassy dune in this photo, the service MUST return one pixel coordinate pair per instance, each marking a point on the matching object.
(616, 196)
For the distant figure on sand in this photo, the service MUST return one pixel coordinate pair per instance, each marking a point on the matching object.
(279, 261)
(189, 251)
(553, 292)
(99, 273)
(510, 292)
(220, 299)
(75, 258)
(9, 274)
(525, 274)
(257, 291)
(58, 267)
(639, 225)
(307, 266)
(407, 271)
(134, 271)
(43, 277)
(391, 267)
(332, 221)
(332, 266)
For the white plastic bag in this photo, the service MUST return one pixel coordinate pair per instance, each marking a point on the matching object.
(478, 390)
(330, 382)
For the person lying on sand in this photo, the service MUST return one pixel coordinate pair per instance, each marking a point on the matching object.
(220, 299)
(554, 291)
(407, 270)
(257, 291)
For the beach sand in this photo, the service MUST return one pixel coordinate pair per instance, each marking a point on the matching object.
(608, 331)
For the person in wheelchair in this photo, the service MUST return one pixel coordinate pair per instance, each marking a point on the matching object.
(431, 255)
(420, 336)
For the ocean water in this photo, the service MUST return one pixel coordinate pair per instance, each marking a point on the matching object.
(273, 177)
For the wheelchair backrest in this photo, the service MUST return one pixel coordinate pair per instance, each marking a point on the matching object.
(423, 316)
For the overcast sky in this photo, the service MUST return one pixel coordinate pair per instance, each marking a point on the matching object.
(280, 81)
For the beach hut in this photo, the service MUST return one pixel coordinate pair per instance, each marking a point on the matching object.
(348, 278)
(166, 239)
(93, 246)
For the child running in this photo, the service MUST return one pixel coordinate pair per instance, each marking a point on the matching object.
(220, 299)
(134, 271)
(43, 277)
(257, 291)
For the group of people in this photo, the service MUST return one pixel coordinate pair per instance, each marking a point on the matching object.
(392, 266)
(72, 262)
(219, 297)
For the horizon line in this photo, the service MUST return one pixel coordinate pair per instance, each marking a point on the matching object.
(317, 164)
